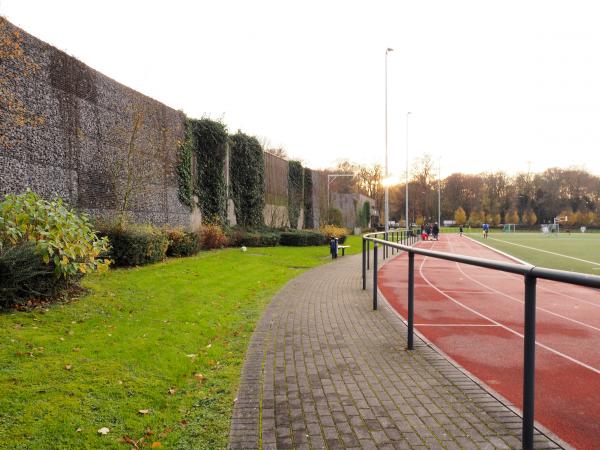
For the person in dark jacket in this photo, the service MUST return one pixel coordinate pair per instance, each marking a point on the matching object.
(436, 231)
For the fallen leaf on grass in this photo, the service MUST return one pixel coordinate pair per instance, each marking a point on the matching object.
(144, 411)
(192, 356)
(209, 346)
(68, 367)
(103, 430)
(199, 377)
(156, 444)
(78, 430)
(172, 391)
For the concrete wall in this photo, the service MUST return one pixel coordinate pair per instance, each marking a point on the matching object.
(79, 146)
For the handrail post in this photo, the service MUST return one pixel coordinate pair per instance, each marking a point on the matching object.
(411, 298)
(529, 363)
(364, 263)
(375, 275)
(385, 248)
(368, 255)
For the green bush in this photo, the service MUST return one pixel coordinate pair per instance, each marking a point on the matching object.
(260, 239)
(334, 217)
(212, 237)
(24, 275)
(61, 237)
(182, 243)
(136, 245)
(301, 238)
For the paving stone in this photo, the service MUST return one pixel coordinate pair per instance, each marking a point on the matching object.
(332, 373)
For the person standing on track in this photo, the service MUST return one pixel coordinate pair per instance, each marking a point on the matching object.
(486, 229)
(436, 231)
(460, 229)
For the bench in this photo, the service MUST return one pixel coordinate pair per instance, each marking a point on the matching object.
(343, 247)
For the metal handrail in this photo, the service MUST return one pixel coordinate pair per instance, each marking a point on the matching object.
(404, 241)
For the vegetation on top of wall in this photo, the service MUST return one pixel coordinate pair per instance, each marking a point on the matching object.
(295, 191)
(247, 171)
(309, 217)
(208, 141)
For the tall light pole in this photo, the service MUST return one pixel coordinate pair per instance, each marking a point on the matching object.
(406, 202)
(387, 189)
(440, 191)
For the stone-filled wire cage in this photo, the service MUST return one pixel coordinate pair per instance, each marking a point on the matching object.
(276, 191)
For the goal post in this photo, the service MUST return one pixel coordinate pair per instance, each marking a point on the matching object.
(509, 228)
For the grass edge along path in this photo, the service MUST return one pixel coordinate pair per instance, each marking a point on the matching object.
(154, 353)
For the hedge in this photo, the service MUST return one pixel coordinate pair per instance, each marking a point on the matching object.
(301, 238)
(136, 245)
(260, 239)
(183, 243)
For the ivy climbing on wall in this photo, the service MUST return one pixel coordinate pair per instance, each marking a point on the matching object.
(295, 191)
(309, 220)
(208, 141)
(184, 169)
(247, 172)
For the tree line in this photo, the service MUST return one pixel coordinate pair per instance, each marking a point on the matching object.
(494, 197)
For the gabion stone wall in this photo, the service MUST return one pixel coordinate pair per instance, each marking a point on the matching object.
(67, 130)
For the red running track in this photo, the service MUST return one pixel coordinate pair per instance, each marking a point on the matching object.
(475, 316)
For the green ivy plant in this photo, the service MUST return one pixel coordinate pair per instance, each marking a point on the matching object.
(184, 170)
(247, 171)
(309, 218)
(62, 237)
(295, 191)
(208, 139)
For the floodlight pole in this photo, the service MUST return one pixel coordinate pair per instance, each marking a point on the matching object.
(440, 191)
(387, 189)
(406, 199)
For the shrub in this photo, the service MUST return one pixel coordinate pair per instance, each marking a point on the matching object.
(136, 245)
(24, 275)
(334, 217)
(61, 237)
(260, 239)
(301, 238)
(329, 231)
(212, 236)
(182, 243)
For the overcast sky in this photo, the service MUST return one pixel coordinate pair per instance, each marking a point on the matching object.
(491, 85)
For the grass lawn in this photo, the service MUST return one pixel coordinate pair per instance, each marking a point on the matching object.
(578, 252)
(152, 352)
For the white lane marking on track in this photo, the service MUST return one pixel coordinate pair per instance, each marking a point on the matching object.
(510, 297)
(547, 289)
(547, 251)
(510, 330)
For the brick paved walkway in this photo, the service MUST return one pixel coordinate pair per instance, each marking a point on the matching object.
(325, 371)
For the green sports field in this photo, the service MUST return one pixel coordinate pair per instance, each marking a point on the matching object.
(578, 252)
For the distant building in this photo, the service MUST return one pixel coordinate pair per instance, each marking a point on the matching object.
(350, 205)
